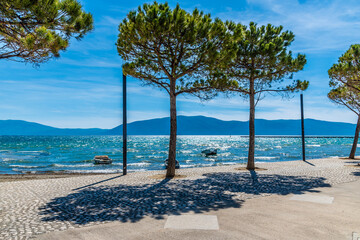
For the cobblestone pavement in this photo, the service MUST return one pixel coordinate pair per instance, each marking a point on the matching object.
(32, 207)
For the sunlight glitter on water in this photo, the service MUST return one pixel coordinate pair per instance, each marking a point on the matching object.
(21, 154)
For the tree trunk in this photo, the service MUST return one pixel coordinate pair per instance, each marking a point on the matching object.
(356, 137)
(251, 154)
(172, 143)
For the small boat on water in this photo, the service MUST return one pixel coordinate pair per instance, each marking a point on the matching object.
(177, 164)
(210, 152)
(102, 160)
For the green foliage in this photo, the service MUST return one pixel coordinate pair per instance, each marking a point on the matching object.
(176, 51)
(346, 72)
(261, 65)
(344, 80)
(262, 61)
(347, 97)
(172, 49)
(36, 30)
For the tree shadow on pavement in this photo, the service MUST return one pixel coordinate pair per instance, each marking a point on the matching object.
(131, 203)
(305, 161)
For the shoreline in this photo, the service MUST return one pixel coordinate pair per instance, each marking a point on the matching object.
(63, 174)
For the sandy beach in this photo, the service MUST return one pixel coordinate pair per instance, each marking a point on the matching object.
(56, 202)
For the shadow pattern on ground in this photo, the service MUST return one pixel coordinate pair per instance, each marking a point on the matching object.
(132, 203)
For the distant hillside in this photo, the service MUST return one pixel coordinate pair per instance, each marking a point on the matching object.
(18, 127)
(200, 125)
(194, 125)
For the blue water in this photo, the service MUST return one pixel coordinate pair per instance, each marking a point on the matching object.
(21, 154)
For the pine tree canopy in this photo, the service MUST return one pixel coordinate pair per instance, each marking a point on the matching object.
(173, 49)
(263, 59)
(346, 72)
(344, 79)
(347, 97)
(36, 30)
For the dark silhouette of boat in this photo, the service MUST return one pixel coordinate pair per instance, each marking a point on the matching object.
(102, 160)
(210, 152)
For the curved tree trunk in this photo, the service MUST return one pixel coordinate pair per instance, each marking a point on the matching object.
(172, 143)
(356, 137)
(251, 154)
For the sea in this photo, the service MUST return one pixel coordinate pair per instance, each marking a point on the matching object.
(74, 154)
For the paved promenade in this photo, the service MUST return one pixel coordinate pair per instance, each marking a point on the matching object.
(273, 217)
(298, 199)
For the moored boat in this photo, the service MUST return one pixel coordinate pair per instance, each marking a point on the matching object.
(102, 160)
(210, 152)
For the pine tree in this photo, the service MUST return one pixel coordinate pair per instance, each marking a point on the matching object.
(175, 51)
(345, 83)
(262, 65)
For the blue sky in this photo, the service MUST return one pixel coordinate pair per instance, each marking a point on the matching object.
(83, 87)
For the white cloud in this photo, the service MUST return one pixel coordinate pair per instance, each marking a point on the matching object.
(318, 25)
(98, 63)
(110, 21)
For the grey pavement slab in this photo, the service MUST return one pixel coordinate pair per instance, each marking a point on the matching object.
(203, 222)
(323, 199)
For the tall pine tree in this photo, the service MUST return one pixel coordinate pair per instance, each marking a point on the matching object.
(262, 65)
(345, 82)
(175, 51)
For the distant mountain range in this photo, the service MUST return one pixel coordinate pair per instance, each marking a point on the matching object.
(188, 125)
(19, 127)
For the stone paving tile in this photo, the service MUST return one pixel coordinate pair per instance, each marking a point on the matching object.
(322, 199)
(201, 222)
(29, 208)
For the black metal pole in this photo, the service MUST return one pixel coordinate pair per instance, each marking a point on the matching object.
(302, 126)
(124, 127)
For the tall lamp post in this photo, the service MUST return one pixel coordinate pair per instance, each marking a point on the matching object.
(124, 127)
(302, 126)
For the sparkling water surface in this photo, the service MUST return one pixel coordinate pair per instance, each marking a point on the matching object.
(22, 154)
